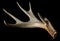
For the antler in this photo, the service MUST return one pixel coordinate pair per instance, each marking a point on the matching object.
(33, 22)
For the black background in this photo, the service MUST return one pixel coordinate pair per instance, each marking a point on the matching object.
(47, 8)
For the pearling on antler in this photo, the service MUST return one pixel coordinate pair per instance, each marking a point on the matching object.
(33, 22)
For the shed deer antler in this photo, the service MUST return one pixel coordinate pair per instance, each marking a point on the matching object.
(33, 22)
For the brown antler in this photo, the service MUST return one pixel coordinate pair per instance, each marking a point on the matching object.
(33, 22)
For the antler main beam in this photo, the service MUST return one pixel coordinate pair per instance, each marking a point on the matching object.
(33, 22)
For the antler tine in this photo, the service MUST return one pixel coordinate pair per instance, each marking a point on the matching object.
(23, 10)
(41, 18)
(30, 10)
(7, 24)
(17, 20)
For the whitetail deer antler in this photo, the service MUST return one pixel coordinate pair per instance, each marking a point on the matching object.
(33, 22)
